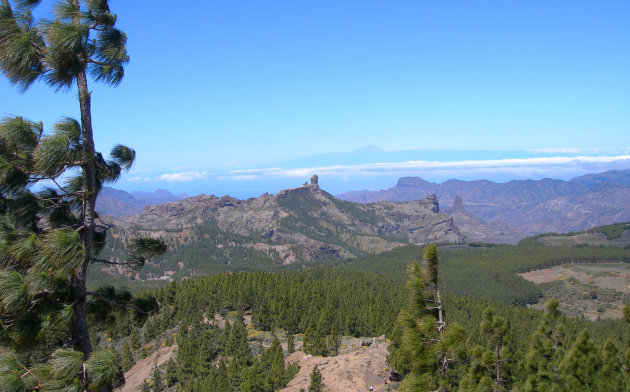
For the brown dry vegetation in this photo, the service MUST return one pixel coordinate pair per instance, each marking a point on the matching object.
(593, 290)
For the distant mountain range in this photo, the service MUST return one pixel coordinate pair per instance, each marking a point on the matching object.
(526, 206)
(117, 203)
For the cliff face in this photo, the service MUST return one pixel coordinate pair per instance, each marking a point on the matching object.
(475, 229)
(306, 214)
(298, 224)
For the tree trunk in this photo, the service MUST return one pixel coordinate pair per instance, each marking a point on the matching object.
(78, 325)
(498, 367)
(79, 329)
(440, 314)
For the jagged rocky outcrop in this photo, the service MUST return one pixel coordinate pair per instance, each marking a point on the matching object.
(298, 224)
(474, 229)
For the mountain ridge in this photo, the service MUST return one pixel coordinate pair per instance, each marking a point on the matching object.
(531, 206)
(302, 224)
(118, 203)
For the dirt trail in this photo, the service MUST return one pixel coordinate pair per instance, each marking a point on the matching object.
(354, 369)
(143, 369)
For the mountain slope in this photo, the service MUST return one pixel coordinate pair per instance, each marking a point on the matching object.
(475, 229)
(532, 206)
(117, 203)
(303, 224)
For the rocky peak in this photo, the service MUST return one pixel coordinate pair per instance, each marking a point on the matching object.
(314, 179)
(458, 204)
(433, 201)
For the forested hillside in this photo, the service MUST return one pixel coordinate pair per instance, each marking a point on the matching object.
(206, 234)
(489, 271)
(613, 235)
(311, 310)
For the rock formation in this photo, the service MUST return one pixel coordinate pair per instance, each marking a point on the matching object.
(298, 224)
(530, 206)
(458, 204)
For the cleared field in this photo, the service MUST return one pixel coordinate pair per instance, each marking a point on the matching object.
(590, 239)
(595, 291)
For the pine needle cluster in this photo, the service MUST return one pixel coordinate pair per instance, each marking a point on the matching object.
(49, 229)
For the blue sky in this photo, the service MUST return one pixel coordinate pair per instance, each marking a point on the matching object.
(218, 87)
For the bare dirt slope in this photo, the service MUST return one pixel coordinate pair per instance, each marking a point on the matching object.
(143, 369)
(354, 369)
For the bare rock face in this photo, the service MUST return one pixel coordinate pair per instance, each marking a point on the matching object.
(314, 179)
(143, 369)
(475, 229)
(432, 198)
(356, 368)
(458, 204)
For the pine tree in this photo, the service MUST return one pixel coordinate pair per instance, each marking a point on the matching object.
(430, 348)
(290, 343)
(611, 375)
(274, 365)
(316, 384)
(134, 339)
(48, 238)
(487, 368)
(171, 373)
(578, 370)
(626, 359)
(158, 384)
(333, 341)
(127, 357)
(237, 345)
(547, 350)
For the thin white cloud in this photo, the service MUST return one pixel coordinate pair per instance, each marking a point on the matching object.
(585, 151)
(184, 176)
(521, 165)
(139, 179)
(562, 150)
(185, 167)
(245, 177)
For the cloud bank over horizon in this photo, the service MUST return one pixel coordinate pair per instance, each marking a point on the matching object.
(346, 172)
(560, 165)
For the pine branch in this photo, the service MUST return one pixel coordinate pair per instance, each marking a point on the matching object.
(105, 261)
(114, 304)
(38, 385)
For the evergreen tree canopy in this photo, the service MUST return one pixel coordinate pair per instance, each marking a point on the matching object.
(49, 230)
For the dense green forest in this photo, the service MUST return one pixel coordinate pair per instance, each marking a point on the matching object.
(363, 297)
(489, 272)
(318, 305)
